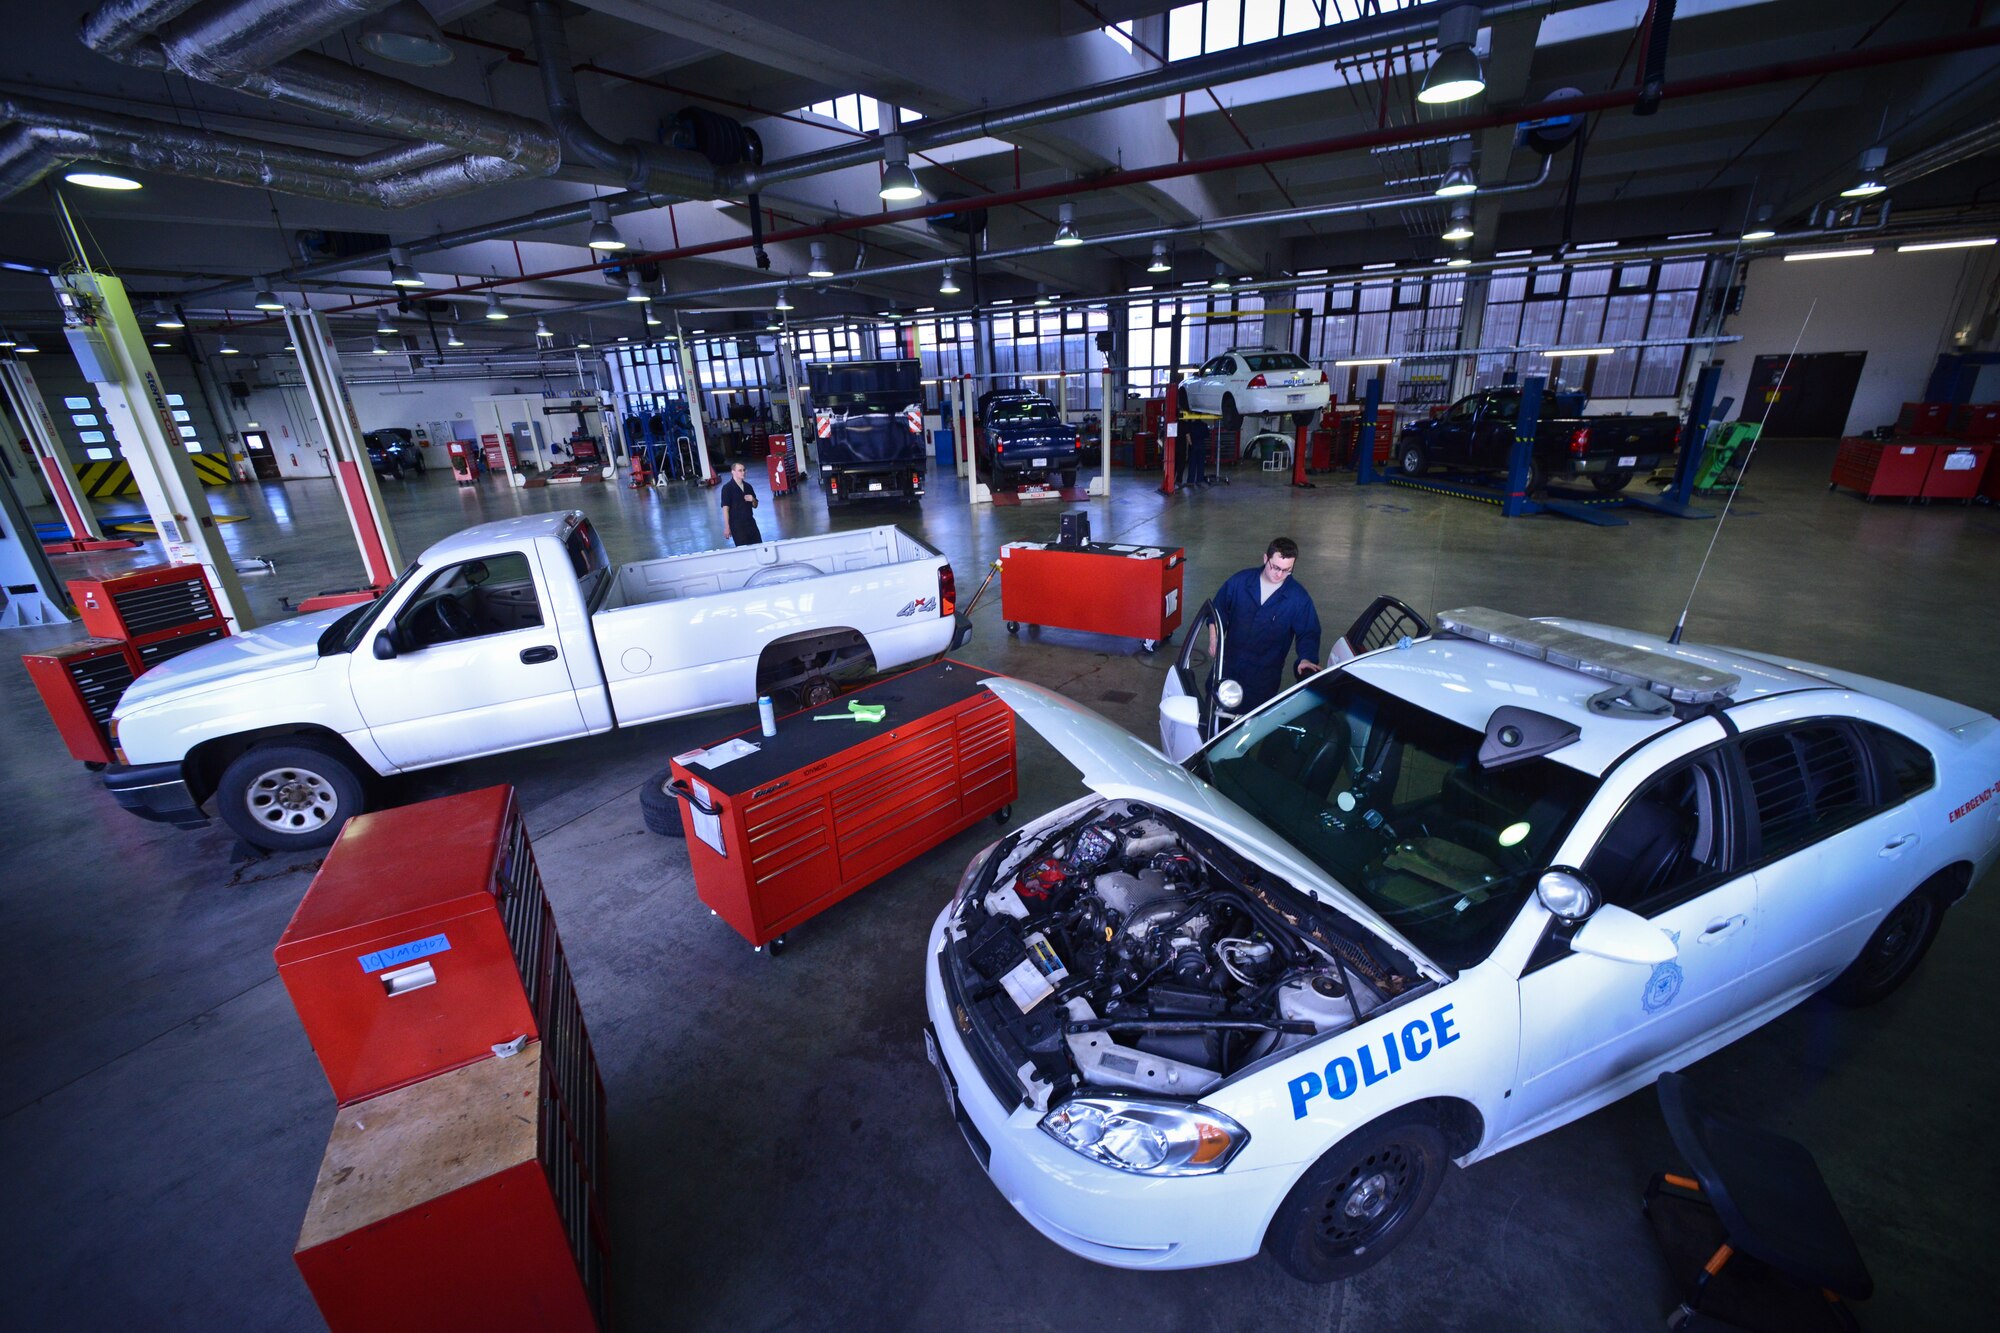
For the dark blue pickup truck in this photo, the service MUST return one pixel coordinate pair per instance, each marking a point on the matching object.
(1476, 434)
(1021, 435)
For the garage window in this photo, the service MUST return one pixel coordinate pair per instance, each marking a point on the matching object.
(1807, 783)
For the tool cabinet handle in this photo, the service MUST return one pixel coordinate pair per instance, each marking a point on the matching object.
(676, 787)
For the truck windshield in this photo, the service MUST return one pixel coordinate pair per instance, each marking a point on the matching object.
(1024, 410)
(1389, 799)
(346, 633)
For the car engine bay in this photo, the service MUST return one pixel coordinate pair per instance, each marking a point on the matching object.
(1123, 949)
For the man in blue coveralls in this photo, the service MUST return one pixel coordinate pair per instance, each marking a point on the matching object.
(1263, 609)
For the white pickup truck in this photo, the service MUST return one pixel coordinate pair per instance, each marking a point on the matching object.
(508, 635)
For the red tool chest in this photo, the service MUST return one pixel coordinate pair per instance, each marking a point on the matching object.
(161, 611)
(1976, 421)
(424, 942)
(80, 684)
(1956, 471)
(1924, 419)
(824, 809)
(459, 1202)
(1130, 591)
(1881, 467)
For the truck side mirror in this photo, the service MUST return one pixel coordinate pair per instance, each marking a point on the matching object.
(385, 644)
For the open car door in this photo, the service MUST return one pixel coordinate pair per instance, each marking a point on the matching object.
(1386, 621)
(1187, 701)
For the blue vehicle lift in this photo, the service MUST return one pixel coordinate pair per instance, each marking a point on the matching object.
(1514, 500)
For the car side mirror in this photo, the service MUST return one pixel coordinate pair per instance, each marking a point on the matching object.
(1229, 696)
(385, 644)
(1568, 894)
(1624, 937)
(1181, 709)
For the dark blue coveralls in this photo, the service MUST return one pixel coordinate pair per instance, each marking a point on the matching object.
(1257, 636)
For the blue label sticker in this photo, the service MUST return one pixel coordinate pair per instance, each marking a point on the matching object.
(398, 954)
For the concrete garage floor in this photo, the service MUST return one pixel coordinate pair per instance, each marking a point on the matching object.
(780, 1154)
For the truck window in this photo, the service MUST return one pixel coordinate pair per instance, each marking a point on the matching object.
(592, 566)
(1024, 409)
(1503, 408)
(471, 599)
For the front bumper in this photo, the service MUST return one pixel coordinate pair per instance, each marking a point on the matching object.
(1096, 1212)
(156, 792)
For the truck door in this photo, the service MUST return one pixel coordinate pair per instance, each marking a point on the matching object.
(475, 666)
(1491, 438)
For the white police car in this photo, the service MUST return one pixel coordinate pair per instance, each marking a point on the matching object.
(1420, 908)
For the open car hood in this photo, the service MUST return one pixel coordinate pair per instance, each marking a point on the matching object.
(1119, 766)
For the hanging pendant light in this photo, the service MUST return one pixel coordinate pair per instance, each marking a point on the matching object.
(635, 287)
(494, 310)
(383, 323)
(378, 349)
(948, 285)
(1220, 282)
(1456, 74)
(819, 268)
(1066, 232)
(784, 298)
(652, 316)
(1458, 178)
(451, 338)
(603, 236)
(1159, 264)
(226, 349)
(899, 183)
(401, 272)
(1869, 183)
(266, 298)
(1460, 228)
(542, 331)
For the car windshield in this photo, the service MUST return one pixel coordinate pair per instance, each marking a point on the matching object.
(1024, 409)
(1274, 361)
(1389, 799)
(346, 633)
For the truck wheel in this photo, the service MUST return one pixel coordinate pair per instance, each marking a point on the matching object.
(1411, 459)
(1538, 477)
(1231, 418)
(1610, 483)
(287, 796)
(1892, 952)
(1360, 1200)
(660, 810)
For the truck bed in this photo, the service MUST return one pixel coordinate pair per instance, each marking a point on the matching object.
(732, 569)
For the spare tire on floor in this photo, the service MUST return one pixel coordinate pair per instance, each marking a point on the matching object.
(660, 808)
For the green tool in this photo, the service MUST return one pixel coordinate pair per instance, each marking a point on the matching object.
(857, 712)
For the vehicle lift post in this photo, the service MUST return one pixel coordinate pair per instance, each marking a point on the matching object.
(32, 411)
(1302, 441)
(1521, 457)
(34, 595)
(1364, 438)
(1101, 483)
(1673, 501)
(1170, 429)
(354, 476)
(693, 388)
(112, 352)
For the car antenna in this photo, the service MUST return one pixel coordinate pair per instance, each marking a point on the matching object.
(1770, 401)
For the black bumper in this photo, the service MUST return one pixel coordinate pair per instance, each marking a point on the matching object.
(156, 792)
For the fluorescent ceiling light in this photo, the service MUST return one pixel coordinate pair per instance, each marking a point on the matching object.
(1596, 245)
(1066, 232)
(97, 178)
(1916, 246)
(1377, 268)
(1455, 75)
(1691, 236)
(898, 181)
(1512, 254)
(1367, 361)
(1146, 288)
(1798, 255)
(1579, 351)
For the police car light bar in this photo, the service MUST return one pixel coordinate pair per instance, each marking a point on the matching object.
(1673, 678)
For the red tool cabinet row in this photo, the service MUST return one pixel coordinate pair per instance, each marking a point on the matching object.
(826, 808)
(426, 968)
(1913, 469)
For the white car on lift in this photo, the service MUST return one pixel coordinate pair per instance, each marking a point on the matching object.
(1421, 907)
(1258, 382)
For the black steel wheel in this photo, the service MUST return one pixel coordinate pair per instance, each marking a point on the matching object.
(1360, 1200)
(1892, 952)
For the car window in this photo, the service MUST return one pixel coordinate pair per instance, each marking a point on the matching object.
(1672, 841)
(1906, 767)
(1275, 361)
(1390, 800)
(1503, 409)
(472, 599)
(1465, 409)
(1806, 782)
(1023, 409)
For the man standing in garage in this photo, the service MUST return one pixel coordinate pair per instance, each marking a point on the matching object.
(1263, 609)
(739, 504)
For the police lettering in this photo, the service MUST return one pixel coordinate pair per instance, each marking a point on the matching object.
(1381, 1057)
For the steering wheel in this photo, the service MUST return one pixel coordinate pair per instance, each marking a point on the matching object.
(453, 620)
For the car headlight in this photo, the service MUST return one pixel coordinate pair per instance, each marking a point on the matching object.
(1150, 1138)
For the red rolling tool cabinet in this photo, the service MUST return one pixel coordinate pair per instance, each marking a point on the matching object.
(1976, 421)
(1131, 591)
(80, 683)
(1956, 471)
(825, 808)
(460, 1202)
(160, 612)
(1877, 468)
(1924, 419)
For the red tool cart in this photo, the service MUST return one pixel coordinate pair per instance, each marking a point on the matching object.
(1130, 591)
(827, 807)
(80, 684)
(1881, 467)
(778, 464)
(1924, 419)
(160, 611)
(456, 1203)
(1956, 471)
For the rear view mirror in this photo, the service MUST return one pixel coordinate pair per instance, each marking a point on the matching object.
(1623, 937)
(385, 644)
(1181, 709)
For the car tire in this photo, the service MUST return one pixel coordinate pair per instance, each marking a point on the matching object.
(660, 809)
(290, 795)
(1412, 460)
(1360, 1200)
(1892, 952)
(1231, 418)
(1610, 483)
